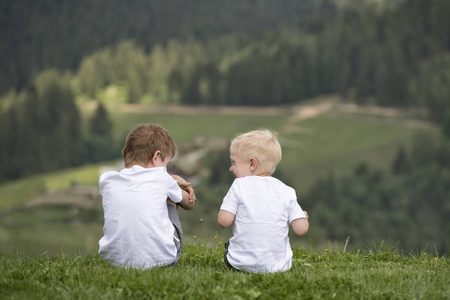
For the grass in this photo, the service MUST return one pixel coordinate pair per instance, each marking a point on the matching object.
(201, 274)
(336, 145)
(185, 127)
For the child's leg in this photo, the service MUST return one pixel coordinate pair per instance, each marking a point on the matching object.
(225, 259)
(178, 233)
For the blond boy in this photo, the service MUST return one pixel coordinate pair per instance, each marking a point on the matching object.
(142, 228)
(260, 206)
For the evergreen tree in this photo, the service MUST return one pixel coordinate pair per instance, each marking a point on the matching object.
(446, 124)
(401, 164)
(100, 123)
(100, 145)
(59, 122)
(42, 129)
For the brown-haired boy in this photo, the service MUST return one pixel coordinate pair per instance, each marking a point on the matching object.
(142, 228)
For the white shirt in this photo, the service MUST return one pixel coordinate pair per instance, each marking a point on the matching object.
(264, 208)
(137, 230)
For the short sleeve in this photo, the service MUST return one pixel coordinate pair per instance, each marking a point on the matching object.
(230, 201)
(103, 180)
(295, 211)
(174, 190)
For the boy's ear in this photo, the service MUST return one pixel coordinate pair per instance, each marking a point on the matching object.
(155, 156)
(253, 164)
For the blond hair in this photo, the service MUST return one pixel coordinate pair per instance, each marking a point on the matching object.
(142, 143)
(261, 144)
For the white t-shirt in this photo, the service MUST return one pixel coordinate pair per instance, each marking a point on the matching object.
(137, 230)
(264, 208)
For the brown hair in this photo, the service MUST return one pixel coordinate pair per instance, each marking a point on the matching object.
(142, 143)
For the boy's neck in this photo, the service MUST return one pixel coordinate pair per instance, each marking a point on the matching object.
(261, 174)
(140, 165)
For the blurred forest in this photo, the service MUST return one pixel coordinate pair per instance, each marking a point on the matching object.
(38, 35)
(390, 53)
(56, 56)
(408, 204)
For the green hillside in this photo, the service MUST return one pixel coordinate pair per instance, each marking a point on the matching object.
(329, 141)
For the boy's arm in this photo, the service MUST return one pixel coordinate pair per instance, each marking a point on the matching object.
(185, 202)
(301, 226)
(225, 218)
(187, 193)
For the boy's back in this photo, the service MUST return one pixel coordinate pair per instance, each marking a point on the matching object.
(138, 231)
(142, 228)
(264, 207)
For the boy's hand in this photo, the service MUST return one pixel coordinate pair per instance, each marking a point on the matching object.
(184, 185)
(190, 191)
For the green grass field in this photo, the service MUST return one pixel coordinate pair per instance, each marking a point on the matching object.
(312, 148)
(201, 274)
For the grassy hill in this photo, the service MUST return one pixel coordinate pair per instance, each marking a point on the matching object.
(201, 274)
(315, 142)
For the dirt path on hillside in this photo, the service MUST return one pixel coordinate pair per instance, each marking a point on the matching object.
(303, 112)
(295, 113)
(192, 110)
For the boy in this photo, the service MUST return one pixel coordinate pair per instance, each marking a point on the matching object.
(261, 207)
(142, 228)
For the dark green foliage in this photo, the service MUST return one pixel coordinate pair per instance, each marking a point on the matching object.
(393, 53)
(100, 123)
(395, 56)
(219, 164)
(408, 205)
(42, 129)
(100, 148)
(100, 145)
(446, 124)
(59, 34)
(431, 87)
(401, 163)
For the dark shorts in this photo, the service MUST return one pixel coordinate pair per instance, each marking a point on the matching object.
(178, 232)
(225, 259)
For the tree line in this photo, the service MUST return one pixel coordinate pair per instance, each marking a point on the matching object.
(43, 130)
(58, 34)
(391, 55)
(394, 57)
